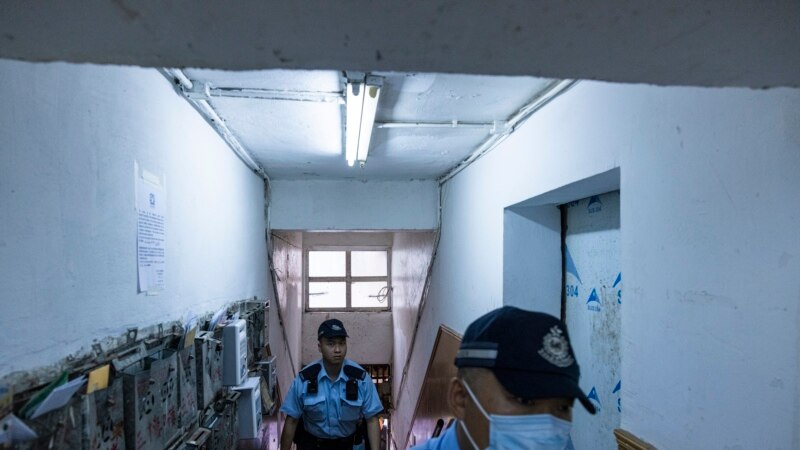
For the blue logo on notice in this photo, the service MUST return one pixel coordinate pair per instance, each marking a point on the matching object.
(152, 200)
(594, 398)
(593, 303)
(595, 205)
(619, 291)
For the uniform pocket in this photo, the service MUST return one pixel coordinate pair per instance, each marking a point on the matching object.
(314, 408)
(351, 409)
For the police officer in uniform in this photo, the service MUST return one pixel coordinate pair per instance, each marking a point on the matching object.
(329, 398)
(517, 381)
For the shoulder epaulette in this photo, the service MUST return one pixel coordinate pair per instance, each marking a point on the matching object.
(354, 372)
(310, 372)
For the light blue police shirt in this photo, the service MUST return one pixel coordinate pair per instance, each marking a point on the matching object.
(328, 413)
(445, 441)
(448, 441)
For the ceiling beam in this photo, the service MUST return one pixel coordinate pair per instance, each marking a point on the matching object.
(665, 42)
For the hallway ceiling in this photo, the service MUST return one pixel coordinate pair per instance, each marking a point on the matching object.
(699, 43)
(414, 136)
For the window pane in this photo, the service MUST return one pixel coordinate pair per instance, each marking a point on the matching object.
(326, 264)
(327, 295)
(373, 294)
(368, 264)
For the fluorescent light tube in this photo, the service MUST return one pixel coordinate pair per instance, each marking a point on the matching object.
(355, 104)
(371, 95)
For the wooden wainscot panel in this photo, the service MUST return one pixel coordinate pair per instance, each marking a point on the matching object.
(432, 402)
(627, 441)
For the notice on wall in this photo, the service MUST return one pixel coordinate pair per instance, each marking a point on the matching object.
(151, 232)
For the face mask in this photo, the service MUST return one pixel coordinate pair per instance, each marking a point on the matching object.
(531, 432)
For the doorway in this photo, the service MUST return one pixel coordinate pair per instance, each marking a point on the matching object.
(591, 300)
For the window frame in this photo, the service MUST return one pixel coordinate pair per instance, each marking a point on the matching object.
(348, 279)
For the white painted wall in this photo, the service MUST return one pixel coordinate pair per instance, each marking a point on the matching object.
(711, 259)
(369, 341)
(354, 205)
(70, 135)
(411, 257)
(532, 258)
(709, 202)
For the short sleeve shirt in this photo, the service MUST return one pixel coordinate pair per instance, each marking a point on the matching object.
(328, 413)
(448, 441)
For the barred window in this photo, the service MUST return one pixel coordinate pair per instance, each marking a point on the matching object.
(348, 278)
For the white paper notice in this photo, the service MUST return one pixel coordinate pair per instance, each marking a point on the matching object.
(14, 430)
(59, 397)
(151, 209)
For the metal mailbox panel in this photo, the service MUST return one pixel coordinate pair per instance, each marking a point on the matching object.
(187, 376)
(62, 428)
(151, 402)
(208, 358)
(104, 418)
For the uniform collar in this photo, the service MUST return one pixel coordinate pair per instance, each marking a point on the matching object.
(324, 373)
(449, 438)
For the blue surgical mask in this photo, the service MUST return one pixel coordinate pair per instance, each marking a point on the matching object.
(529, 432)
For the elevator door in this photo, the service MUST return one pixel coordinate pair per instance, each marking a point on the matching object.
(592, 300)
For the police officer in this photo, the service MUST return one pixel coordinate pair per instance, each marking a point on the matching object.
(329, 397)
(517, 381)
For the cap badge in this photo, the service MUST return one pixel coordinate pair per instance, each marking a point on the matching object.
(555, 348)
(336, 327)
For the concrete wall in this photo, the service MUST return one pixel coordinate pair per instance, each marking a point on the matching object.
(705, 42)
(68, 274)
(370, 340)
(354, 205)
(709, 201)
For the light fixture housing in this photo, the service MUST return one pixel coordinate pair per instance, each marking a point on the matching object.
(354, 105)
(362, 105)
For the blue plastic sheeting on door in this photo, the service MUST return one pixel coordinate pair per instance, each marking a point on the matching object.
(593, 300)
